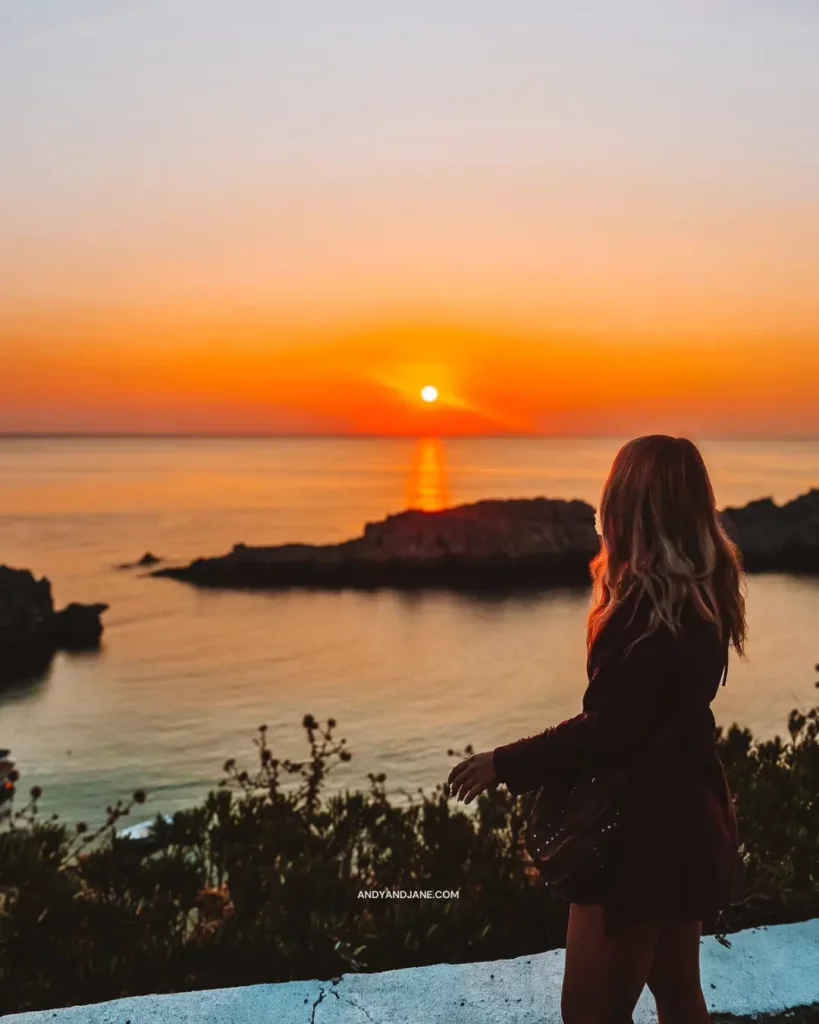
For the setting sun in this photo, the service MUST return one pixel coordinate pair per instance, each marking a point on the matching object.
(429, 393)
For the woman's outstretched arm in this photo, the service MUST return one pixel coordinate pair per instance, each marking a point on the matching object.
(640, 695)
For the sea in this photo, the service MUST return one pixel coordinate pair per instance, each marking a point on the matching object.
(184, 677)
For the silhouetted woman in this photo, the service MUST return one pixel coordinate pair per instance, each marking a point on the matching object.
(667, 605)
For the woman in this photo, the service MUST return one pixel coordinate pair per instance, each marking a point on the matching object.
(667, 605)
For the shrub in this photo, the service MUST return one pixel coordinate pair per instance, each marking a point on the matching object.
(262, 881)
(776, 792)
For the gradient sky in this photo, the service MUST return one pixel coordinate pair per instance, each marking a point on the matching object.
(597, 217)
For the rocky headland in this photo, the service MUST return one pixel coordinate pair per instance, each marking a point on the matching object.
(777, 538)
(29, 621)
(516, 542)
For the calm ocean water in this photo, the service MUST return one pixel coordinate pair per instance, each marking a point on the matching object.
(185, 677)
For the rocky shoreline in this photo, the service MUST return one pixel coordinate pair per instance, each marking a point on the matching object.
(777, 538)
(29, 622)
(491, 544)
(488, 544)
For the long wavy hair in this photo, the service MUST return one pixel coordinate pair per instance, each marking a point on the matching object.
(661, 538)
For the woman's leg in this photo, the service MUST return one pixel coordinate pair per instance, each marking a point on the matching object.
(674, 977)
(604, 975)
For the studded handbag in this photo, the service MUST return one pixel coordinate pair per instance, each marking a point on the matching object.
(570, 830)
(572, 827)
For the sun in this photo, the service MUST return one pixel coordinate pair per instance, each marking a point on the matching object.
(429, 393)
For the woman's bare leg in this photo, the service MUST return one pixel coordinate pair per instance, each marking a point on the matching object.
(674, 977)
(604, 975)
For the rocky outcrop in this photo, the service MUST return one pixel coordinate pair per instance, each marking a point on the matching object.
(777, 537)
(78, 625)
(519, 541)
(29, 621)
(531, 542)
(147, 560)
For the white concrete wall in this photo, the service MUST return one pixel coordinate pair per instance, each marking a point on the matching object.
(766, 970)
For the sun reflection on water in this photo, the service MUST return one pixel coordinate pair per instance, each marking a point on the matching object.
(427, 487)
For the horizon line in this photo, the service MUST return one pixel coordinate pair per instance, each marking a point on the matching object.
(324, 436)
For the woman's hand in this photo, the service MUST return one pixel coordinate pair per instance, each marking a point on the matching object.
(472, 776)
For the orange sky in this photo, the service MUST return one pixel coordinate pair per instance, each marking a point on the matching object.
(292, 222)
(369, 381)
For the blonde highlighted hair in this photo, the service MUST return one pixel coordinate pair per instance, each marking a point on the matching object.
(662, 539)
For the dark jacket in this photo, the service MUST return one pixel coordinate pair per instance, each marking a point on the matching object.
(676, 850)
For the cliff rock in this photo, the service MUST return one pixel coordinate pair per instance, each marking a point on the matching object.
(28, 618)
(777, 537)
(531, 542)
(519, 541)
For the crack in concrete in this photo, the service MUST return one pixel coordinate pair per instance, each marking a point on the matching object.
(363, 1009)
(316, 1005)
(324, 992)
(321, 996)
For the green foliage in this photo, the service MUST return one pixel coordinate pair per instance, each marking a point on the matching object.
(776, 790)
(262, 882)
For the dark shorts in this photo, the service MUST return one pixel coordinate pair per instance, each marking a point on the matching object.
(675, 856)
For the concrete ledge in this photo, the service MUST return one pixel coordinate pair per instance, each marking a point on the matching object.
(766, 970)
